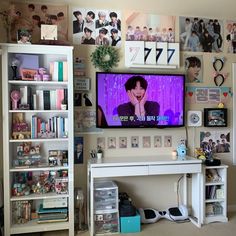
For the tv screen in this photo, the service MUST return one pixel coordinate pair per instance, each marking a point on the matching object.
(139, 100)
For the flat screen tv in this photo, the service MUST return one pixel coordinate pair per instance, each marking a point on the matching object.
(134, 100)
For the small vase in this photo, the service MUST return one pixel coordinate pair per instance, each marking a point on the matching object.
(99, 155)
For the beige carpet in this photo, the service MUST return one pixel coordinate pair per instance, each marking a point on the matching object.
(167, 228)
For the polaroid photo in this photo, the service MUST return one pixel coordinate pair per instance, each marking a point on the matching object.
(157, 141)
(122, 142)
(48, 32)
(146, 141)
(101, 142)
(23, 36)
(167, 141)
(111, 142)
(134, 141)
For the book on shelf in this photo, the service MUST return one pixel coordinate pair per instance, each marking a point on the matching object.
(49, 99)
(59, 71)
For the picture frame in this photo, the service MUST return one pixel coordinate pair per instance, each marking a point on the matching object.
(28, 74)
(215, 117)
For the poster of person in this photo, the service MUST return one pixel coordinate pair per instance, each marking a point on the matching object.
(200, 34)
(231, 36)
(193, 68)
(85, 120)
(78, 150)
(101, 142)
(215, 141)
(30, 17)
(157, 141)
(111, 142)
(149, 27)
(96, 27)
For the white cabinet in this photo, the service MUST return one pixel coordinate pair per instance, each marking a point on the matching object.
(37, 138)
(106, 210)
(214, 179)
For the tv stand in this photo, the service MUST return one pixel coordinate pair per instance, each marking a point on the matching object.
(146, 166)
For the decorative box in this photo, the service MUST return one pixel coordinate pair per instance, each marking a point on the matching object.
(130, 224)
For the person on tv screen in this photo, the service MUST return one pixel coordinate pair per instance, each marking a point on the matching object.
(138, 111)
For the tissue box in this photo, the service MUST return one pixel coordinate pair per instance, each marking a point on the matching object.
(130, 224)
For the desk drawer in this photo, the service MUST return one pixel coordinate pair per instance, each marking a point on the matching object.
(174, 169)
(120, 171)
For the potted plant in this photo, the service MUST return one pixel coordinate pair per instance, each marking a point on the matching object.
(99, 152)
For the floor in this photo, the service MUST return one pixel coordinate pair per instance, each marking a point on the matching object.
(167, 228)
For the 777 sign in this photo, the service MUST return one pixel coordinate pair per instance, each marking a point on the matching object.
(151, 54)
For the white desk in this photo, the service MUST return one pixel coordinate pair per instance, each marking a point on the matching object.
(147, 166)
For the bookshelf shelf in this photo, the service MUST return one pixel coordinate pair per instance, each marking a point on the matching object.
(39, 196)
(47, 168)
(214, 194)
(36, 109)
(26, 82)
(39, 111)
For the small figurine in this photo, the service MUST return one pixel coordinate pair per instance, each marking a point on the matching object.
(181, 150)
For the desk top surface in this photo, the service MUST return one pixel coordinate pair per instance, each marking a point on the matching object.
(141, 160)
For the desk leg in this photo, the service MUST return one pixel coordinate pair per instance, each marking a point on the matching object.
(196, 200)
(91, 204)
(185, 190)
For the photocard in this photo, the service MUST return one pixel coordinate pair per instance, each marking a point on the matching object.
(111, 142)
(135, 141)
(122, 142)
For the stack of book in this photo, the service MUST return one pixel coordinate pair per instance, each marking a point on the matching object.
(49, 215)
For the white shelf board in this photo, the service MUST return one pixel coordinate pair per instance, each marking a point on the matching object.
(39, 140)
(38, 111)
(33, 226)
(27, 82)
(153, 66)
(36, 196)
(47, 168)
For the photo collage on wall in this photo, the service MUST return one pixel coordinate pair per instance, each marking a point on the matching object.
(96, 27)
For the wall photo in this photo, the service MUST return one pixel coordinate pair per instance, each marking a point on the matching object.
(193, 68)
(200, 34)
(215, 141)
(149, 27)
(78, 150)
(30, 17)
(96, 27)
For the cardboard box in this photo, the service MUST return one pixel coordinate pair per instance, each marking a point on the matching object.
(130, 224)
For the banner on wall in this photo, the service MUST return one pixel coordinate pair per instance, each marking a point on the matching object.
(208, 94)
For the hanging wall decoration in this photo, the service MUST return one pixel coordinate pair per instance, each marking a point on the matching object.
(208, 94)
(219, 76)
(105, 57)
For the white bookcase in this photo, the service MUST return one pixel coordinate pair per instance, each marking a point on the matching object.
(62, 171)
(214, 179)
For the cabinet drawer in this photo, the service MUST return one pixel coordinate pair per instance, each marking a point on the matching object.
(174, 169)
(120, 171)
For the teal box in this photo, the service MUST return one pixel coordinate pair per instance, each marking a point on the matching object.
(130, 224)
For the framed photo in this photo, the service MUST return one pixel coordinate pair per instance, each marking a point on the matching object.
(215, 117)
(28, 74)
(23, 37)
(122, 142)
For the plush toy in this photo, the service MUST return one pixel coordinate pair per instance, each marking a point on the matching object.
(181, 151)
